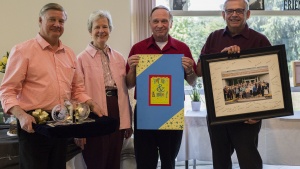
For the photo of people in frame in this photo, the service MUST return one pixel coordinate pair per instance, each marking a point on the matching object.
(246, 85)
(256, 4)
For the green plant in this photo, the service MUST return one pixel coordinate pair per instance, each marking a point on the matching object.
(195, 92)
(195, 95)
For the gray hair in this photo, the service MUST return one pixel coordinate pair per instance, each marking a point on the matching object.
(97, 15)
(162, 7)
(245, 2)
(53, 6)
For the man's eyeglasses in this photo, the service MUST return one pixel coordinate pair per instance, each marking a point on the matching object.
(238, 11)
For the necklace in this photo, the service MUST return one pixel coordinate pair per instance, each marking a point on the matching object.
(104, 53)
(101, 49)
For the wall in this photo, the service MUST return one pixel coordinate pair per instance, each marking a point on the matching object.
(19, 22)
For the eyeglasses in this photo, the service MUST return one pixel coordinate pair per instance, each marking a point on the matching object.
(238, 11)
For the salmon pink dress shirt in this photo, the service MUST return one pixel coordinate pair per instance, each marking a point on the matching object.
(90, 65)
(38, 77)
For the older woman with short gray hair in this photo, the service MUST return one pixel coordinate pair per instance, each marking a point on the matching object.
(104, 74)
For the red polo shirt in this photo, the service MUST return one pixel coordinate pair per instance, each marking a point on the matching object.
(247, 39)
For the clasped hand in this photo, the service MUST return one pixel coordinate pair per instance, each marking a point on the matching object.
(232, 49)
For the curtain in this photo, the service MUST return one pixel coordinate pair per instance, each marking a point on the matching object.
(140, 13)
(140, 29)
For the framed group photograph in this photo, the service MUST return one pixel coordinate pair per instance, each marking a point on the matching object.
(256, 4)
(253, 84)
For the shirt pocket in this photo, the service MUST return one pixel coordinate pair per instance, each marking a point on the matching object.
(92, 72)
(66, 75)
(120, 69)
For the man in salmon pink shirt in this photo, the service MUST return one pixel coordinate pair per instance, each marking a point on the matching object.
(41, 73)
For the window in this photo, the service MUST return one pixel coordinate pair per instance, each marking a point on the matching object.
(198, 19)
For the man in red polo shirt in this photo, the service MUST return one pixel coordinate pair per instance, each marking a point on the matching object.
(148, 144)
(241, 136)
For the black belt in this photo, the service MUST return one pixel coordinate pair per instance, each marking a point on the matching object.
(111, 92)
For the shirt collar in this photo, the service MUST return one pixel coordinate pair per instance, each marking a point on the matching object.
(44, 44)
(245, 33)
(92, 50)
(170, 43)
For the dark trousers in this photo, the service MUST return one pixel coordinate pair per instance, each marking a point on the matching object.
(37, 151)
(104, 152)
(241, 137)
(151, 144)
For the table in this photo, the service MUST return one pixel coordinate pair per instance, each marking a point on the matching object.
(9, 154)
(278, 140)
(9, 151)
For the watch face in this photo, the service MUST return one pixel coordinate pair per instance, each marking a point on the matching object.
(60, 113)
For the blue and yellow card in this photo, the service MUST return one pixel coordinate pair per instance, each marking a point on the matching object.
(160, 92)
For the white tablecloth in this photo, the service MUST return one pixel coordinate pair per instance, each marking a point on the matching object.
(279, 140)
(76, 162)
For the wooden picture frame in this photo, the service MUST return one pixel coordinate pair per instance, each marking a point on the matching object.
(265, 68)
(296, 72)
